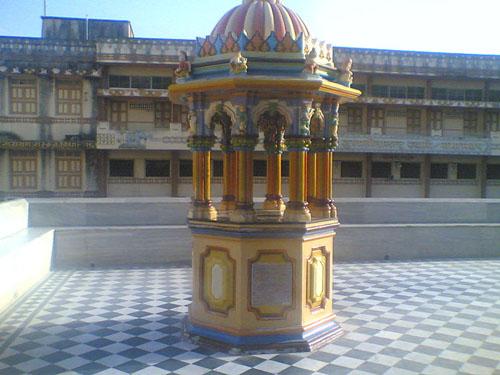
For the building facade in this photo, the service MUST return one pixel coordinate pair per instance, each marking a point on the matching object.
(85, 111)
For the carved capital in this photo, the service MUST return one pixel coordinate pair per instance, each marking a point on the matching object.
(244, 142)
(323, 144)
(298, 143)
(201, 143)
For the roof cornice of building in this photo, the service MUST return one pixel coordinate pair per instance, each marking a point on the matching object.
(43, 41)
(365, 60)
(381, 51)
(38, 40)
(424, 64)
(149, 40)
(338, 49)
(83, 19)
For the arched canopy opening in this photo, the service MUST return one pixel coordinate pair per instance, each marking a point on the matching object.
(221, 120)
(273, 124)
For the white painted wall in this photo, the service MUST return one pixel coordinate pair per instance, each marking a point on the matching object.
(139, 190)
(26, 131)
(24, 261)
(13, 217)
(454, 191)
(172, 211)
(4, 170)
(87, 98)
(453, 123)
(3, 96)
(493, 191)
(60, 131)
(392, 190)
(348, 190)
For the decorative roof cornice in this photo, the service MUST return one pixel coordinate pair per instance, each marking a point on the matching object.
(432, 64)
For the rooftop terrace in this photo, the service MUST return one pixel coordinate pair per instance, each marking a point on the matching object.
(440, 317)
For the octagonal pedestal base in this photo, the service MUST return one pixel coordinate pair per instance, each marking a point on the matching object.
(263, 286)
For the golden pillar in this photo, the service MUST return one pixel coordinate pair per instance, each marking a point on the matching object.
(244, 211)
(202, 208)
(323, 144)
(297, 209)
(274, 200)
(229, 180)
(312, 180)
(234, 175)
(332, 141)
(311, 176)
(322, 207)
(331, 201)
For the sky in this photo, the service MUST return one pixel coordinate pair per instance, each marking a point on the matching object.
(420, 25)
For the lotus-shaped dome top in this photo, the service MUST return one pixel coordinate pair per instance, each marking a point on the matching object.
(263, 17)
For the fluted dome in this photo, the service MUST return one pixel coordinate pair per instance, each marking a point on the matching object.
(263, 17)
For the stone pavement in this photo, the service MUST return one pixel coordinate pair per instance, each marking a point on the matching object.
(440, 317)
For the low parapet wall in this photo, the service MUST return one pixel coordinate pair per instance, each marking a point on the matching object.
(105, 212)
(418, 211)
(173, 211)
(153, 231)
(371, 242)
(158, 245)
(150, 231)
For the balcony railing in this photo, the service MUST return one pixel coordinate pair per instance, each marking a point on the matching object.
(140, 136)
(146, 137)
(429, 102)
(419, 144)
(142, 51)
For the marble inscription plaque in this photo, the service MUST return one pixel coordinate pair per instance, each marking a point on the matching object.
(271, 284)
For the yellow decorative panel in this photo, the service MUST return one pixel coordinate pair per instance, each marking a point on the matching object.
(218, 280)
(318, 278)
(271, 284)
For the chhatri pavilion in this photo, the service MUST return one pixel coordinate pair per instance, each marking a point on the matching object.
(262, 278)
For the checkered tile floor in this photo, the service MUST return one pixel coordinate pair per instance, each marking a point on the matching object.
(401, 318)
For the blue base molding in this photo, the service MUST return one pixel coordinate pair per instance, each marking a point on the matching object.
(306, 341)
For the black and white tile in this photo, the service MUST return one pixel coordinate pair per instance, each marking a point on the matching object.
(439, 317)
